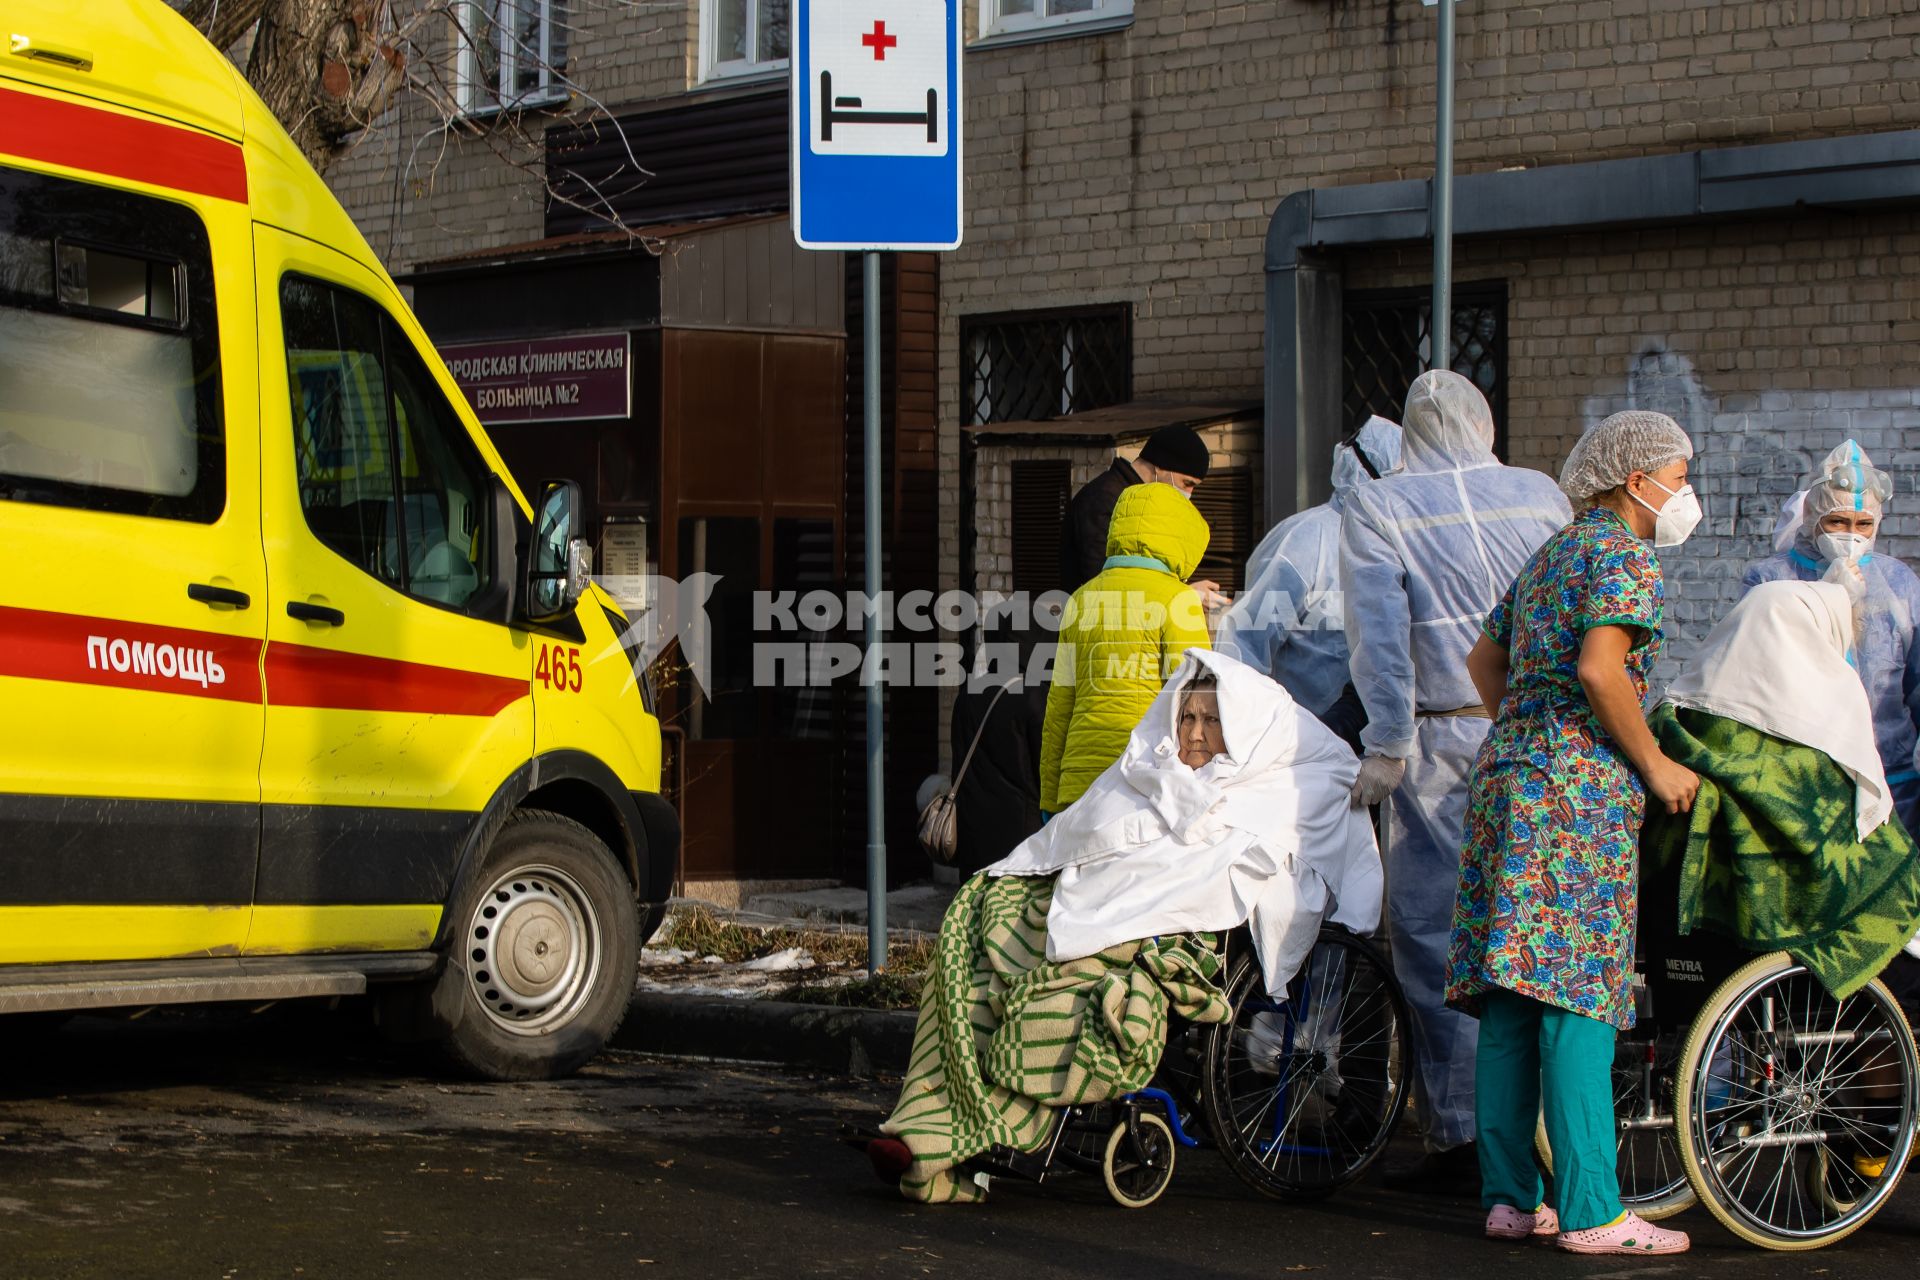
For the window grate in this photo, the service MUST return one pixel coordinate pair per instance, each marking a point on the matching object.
(1037, 365)
(1041, 488)
(1385, 345)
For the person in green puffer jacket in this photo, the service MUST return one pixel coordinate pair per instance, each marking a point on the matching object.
(1123, 633)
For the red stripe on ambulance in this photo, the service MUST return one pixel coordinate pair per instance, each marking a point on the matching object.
(121, 146)
(77, 649)
(301, 675)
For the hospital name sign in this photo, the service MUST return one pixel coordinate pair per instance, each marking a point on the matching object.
(568, 379)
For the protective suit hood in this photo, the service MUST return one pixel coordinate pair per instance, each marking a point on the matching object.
(1447, 426)
(1845, 480)
(1380, 439)
(1161, 523)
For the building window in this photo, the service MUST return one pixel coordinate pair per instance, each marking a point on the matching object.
(1386, 343)
(513, 53)
(742, 37)
(1041, 364)
(1006, 17)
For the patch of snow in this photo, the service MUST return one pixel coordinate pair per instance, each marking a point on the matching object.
(652, 956)
(787, 961)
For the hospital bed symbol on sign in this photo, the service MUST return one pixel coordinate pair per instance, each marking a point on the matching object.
(882, 67)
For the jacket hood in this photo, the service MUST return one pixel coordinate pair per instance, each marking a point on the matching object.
(1159, 521)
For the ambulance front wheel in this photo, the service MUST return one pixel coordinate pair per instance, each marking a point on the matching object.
(542, 962)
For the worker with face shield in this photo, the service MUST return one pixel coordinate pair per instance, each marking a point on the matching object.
(1843, 502)
(1424, 558)
(1288, 622)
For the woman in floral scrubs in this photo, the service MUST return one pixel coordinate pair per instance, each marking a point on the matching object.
(1542, 948)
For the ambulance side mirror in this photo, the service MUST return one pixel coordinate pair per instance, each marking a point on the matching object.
(560, 562)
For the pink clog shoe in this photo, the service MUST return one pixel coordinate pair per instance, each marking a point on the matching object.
(1632, 1234)
(1504, 1222)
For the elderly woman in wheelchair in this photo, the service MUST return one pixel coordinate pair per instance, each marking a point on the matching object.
(1772, 1075)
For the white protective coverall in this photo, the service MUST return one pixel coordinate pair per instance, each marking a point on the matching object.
(1424, 557)
(1263, 833)
(1288, 622)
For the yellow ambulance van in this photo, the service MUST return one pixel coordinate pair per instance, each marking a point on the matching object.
(299, 696)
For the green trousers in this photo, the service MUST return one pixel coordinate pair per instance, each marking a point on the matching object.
(1529, 1054)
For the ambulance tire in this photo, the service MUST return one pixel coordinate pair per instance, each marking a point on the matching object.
(547, 885)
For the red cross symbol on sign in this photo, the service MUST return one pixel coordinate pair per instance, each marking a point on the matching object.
(879, 41)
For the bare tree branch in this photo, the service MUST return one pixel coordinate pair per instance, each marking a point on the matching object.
(336, 72)
(223, 21)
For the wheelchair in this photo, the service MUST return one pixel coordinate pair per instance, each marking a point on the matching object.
(1745, 1087)
(1299, 1096)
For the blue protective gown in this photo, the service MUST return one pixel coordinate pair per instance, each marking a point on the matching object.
(1424, 557)
(1885, 655)
(1288, 621)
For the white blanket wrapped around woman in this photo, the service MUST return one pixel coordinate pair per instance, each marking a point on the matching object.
(1263, 833)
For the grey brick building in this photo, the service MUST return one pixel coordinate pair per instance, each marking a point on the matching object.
(1140, 232)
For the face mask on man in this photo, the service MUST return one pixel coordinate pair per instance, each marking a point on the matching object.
(1847, 548)
(1674, 522)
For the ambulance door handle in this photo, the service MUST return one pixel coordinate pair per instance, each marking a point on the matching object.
(207, 593)
(315, 613)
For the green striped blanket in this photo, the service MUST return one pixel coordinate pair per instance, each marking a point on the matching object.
(1771, 853)
(1004, 1037)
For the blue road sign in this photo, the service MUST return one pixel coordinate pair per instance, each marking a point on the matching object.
(876, 124)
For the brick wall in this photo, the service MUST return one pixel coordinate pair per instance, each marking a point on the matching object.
(1144, 165)
(1770, 342)
(420, 190)
(1235, 445)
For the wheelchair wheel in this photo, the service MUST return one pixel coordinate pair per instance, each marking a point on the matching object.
(1796, 1111)
(1138, 1165)
(1653, 1177)
(1301, 1095)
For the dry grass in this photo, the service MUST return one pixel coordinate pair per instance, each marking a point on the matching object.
(890, 990)
(700, 931)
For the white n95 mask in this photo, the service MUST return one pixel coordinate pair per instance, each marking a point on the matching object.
(1848, 548)
(1675, 522)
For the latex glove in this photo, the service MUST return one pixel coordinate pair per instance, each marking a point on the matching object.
(1379, 775)
(1848, 574)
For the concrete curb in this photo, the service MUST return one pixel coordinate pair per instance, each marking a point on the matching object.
(858, 1042)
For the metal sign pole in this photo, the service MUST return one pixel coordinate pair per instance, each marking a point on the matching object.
(1440, 326)
(875, 128)
(876, 727)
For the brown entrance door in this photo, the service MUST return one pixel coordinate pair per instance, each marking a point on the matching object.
(752, 433)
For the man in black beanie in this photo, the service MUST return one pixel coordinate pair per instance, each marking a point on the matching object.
(1172, 455)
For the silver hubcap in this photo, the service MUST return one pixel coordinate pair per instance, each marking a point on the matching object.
(533, 949)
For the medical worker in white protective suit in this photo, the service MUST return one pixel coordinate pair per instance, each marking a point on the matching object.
(1424, 557)
(1828, 533)
(1288, 622)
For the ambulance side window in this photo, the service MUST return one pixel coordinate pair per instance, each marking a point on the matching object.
(109, 352)
(388, 476)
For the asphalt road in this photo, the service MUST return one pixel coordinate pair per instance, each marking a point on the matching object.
(296, 1145)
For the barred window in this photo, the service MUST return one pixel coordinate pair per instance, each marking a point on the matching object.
(1032, 365)
(1386, 344)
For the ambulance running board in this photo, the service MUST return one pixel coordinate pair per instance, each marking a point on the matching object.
(205, 980)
